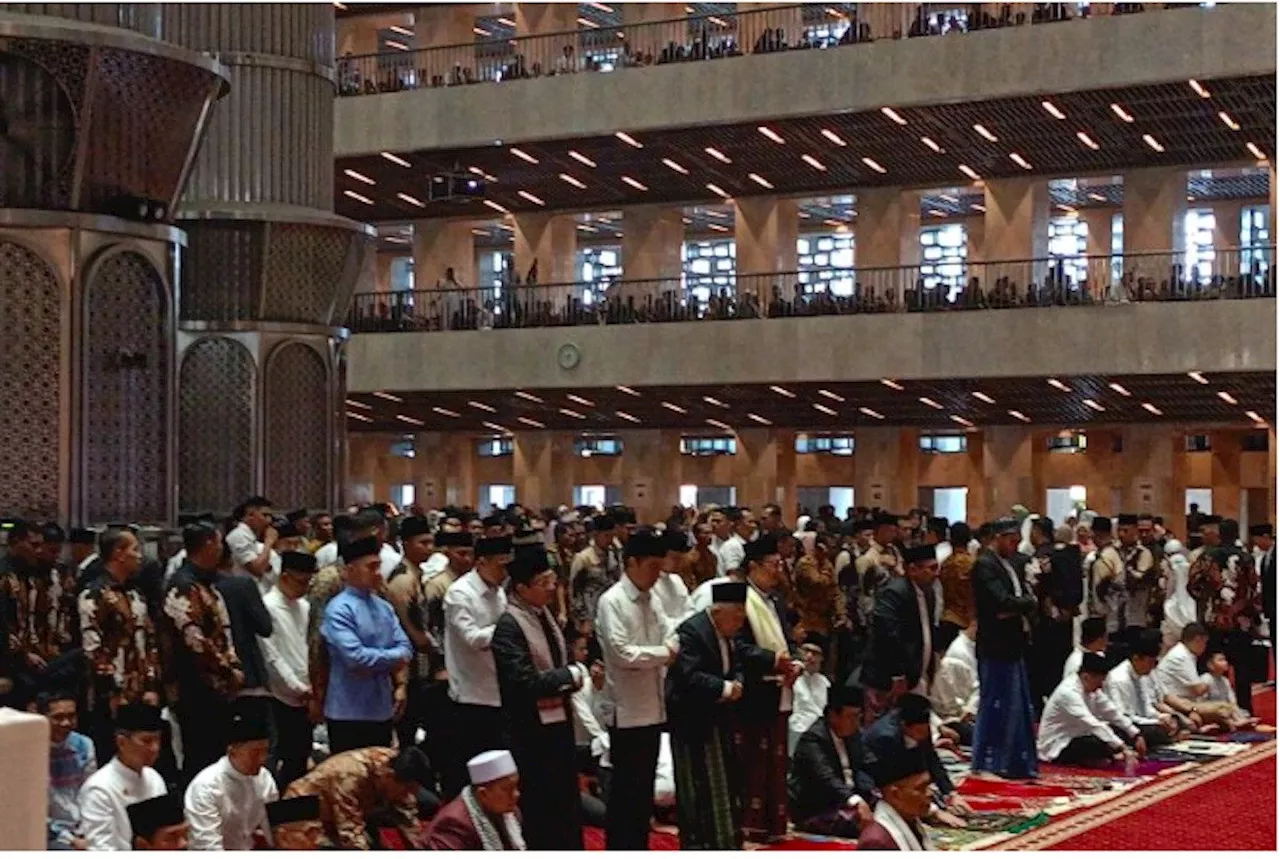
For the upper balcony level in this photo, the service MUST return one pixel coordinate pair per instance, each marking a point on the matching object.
(780, 63)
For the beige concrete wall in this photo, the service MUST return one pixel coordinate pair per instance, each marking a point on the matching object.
(1157, 338)
(1099, 53)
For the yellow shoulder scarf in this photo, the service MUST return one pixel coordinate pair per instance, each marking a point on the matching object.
(764, 622)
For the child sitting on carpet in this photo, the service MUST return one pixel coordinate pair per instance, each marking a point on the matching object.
(1220, 690)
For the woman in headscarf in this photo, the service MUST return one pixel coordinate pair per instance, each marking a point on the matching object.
(1179, 606)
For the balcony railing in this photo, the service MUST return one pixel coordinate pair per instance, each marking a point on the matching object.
(1236, 273)
(692, 39)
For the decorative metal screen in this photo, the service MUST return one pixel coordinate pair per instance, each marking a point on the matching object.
(298, 426)
(215, 425)
(126, 393)
(305, 271)
(222, 270)
(30, 378)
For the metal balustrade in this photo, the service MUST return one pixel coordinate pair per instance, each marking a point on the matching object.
(693, 39)
(1235, 273)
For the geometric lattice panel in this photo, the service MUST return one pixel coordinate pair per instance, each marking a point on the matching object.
(298, 425)
(215, 425)
(126, 411)
(30, 381)
(304, 271)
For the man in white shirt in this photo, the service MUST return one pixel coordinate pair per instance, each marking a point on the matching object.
(226, 802)
(285, 656)
(1130, 687)
(125, 779)
(589, 717)
(810, 691)
(472, 606)
(721, 529)
(670, 589)
(252, 543)
(1080, 723)
(955, 692)
(1093, 639)
(733, 550)
(1180, 686)
(637, 646)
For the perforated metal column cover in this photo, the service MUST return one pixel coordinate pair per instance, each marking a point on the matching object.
(215, 425)
(298, 427)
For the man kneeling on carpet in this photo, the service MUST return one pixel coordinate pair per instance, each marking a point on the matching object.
(829, 790)
(909, 725)
(1080, 722)
(485, 815)
(902, 777)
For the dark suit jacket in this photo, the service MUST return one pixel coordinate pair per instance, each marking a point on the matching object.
(695, 681)
(815, 782)
(1267, 575)
(888, 728)
(999, 610)
(760, 697)
(249, 619)
(520, 682)
(896, 648)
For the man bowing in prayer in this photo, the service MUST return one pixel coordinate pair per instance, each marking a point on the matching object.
(535, 679)
(484, 816)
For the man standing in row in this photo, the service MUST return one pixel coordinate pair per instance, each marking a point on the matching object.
(901, 655)
(285, 655)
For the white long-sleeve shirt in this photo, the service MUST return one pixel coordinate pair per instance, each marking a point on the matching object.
(587, 719)
(471, 610)
(733, 553)
(245, 546)
(700, 599)
(810, 699)
(1071, 713)
(285, 651)
(1071, 667)
(1176, 673)
(224, 807)
(672, 593)
(1133, 694)
(103, 801)
(955, 686)
(633, 634)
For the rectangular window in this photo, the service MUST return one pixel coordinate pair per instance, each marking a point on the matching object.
(1067, 442)
(944, 250)
(402, 495)
(723, 445)
(837, 445)
(709, 268)
(1198, 444)
(1255, 236)
(597, 446)
(598, 268)
(1255, 442)
(1117, 246)
(496, 496)
(944, 443)
(825, 262)
(495, 446)
(1200, 256)
(403, 448)
(1068, 244)
(402, 274)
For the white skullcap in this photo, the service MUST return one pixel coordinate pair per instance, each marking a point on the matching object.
(1173, 547)
(491, 766)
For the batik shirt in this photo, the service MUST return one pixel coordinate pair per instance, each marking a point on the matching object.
(1224, 584)
(201, 631)
(325, 585)
(13, 616)
(350, 789)
(818, 599)
(119, 641)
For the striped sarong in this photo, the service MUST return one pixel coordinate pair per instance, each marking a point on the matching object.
(707, 796)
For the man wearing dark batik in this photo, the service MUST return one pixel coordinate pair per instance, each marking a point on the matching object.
(19, 664)
(205, 661)
(118, 637)
(1224, 583)
(51, 632)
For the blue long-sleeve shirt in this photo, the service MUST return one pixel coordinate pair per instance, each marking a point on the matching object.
(365, 643)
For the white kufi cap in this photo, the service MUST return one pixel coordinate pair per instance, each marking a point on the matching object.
(491, 766)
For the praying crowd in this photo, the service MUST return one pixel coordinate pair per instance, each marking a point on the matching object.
(441, 680)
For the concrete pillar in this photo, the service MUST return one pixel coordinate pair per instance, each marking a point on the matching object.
(439, 245)
(540, 19)
(756, 467)
(1007, 466)
(665, 26)
(1098, 248)
(887, 21)
(1275, 203)
(444, 25)
(1016, 227)
(357, 37)
(878, 475)
(651, 241)
(975, 233)
(1155, 208)
(1225, 473)
(887, 232)
(764, 233)
(1147, 465)
(551, 240)
(543, 468)
(1226, 236)
(650, 472)
(755, 18)
(786, 472)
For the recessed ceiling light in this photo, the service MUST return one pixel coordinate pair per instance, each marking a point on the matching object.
(1053, 109)
(531, 422)
(760, 180)
(506, 22)
(1093, 404)
(716, 423)
(392, 397)
(813, 162)
(978, 395)
(830, 395)
(1059, 385)
(1019, 160)
(1253, 416)
(771, 134)
(1088, 141)
(400, 240)
(1226, 398)
(583, 401)
(1149, 407)
(628, 139)
(890, 383)
(932, 144)
(1256, 152)
(524, 395)
(639, 186)
(359, 405)
(759, 419)
(587, 228)
(629, 391)
(978, 207)
(1228, 121)
(411, 200)
(871, 413)
(482, 407)
(824, 409)
(628, 417)
(580, 158)
(359, 417)
(833, 137)
(446, 412)
(523, 156)
(949, 198)
(719, 228)
(571, 413)
(969, 171)
(401, 46)
(937, 213)
(532, 198)
(395, 159)
(601, 6)
(874, 165)
(676, 167)
(498, 206)
(984, 132)
(961, 421)
(1199, 378)
(1019, 415)
(403, 31)
(1097, 197)
(497, 427)
(577, 183)
(933, 404)
(361, 197)
(673, 407)
(717, 190)
(410, 420)
(1152, 142)
(893, 114)
(1121, 112)
(588, 23)
(718, 155)
(783, 391)
(1119, 389)
(1199, 88)
(713, 401)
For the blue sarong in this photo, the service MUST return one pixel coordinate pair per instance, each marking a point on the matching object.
(1004, 739)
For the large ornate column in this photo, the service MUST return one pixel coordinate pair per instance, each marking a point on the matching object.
(100, 128)
(270, 269)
